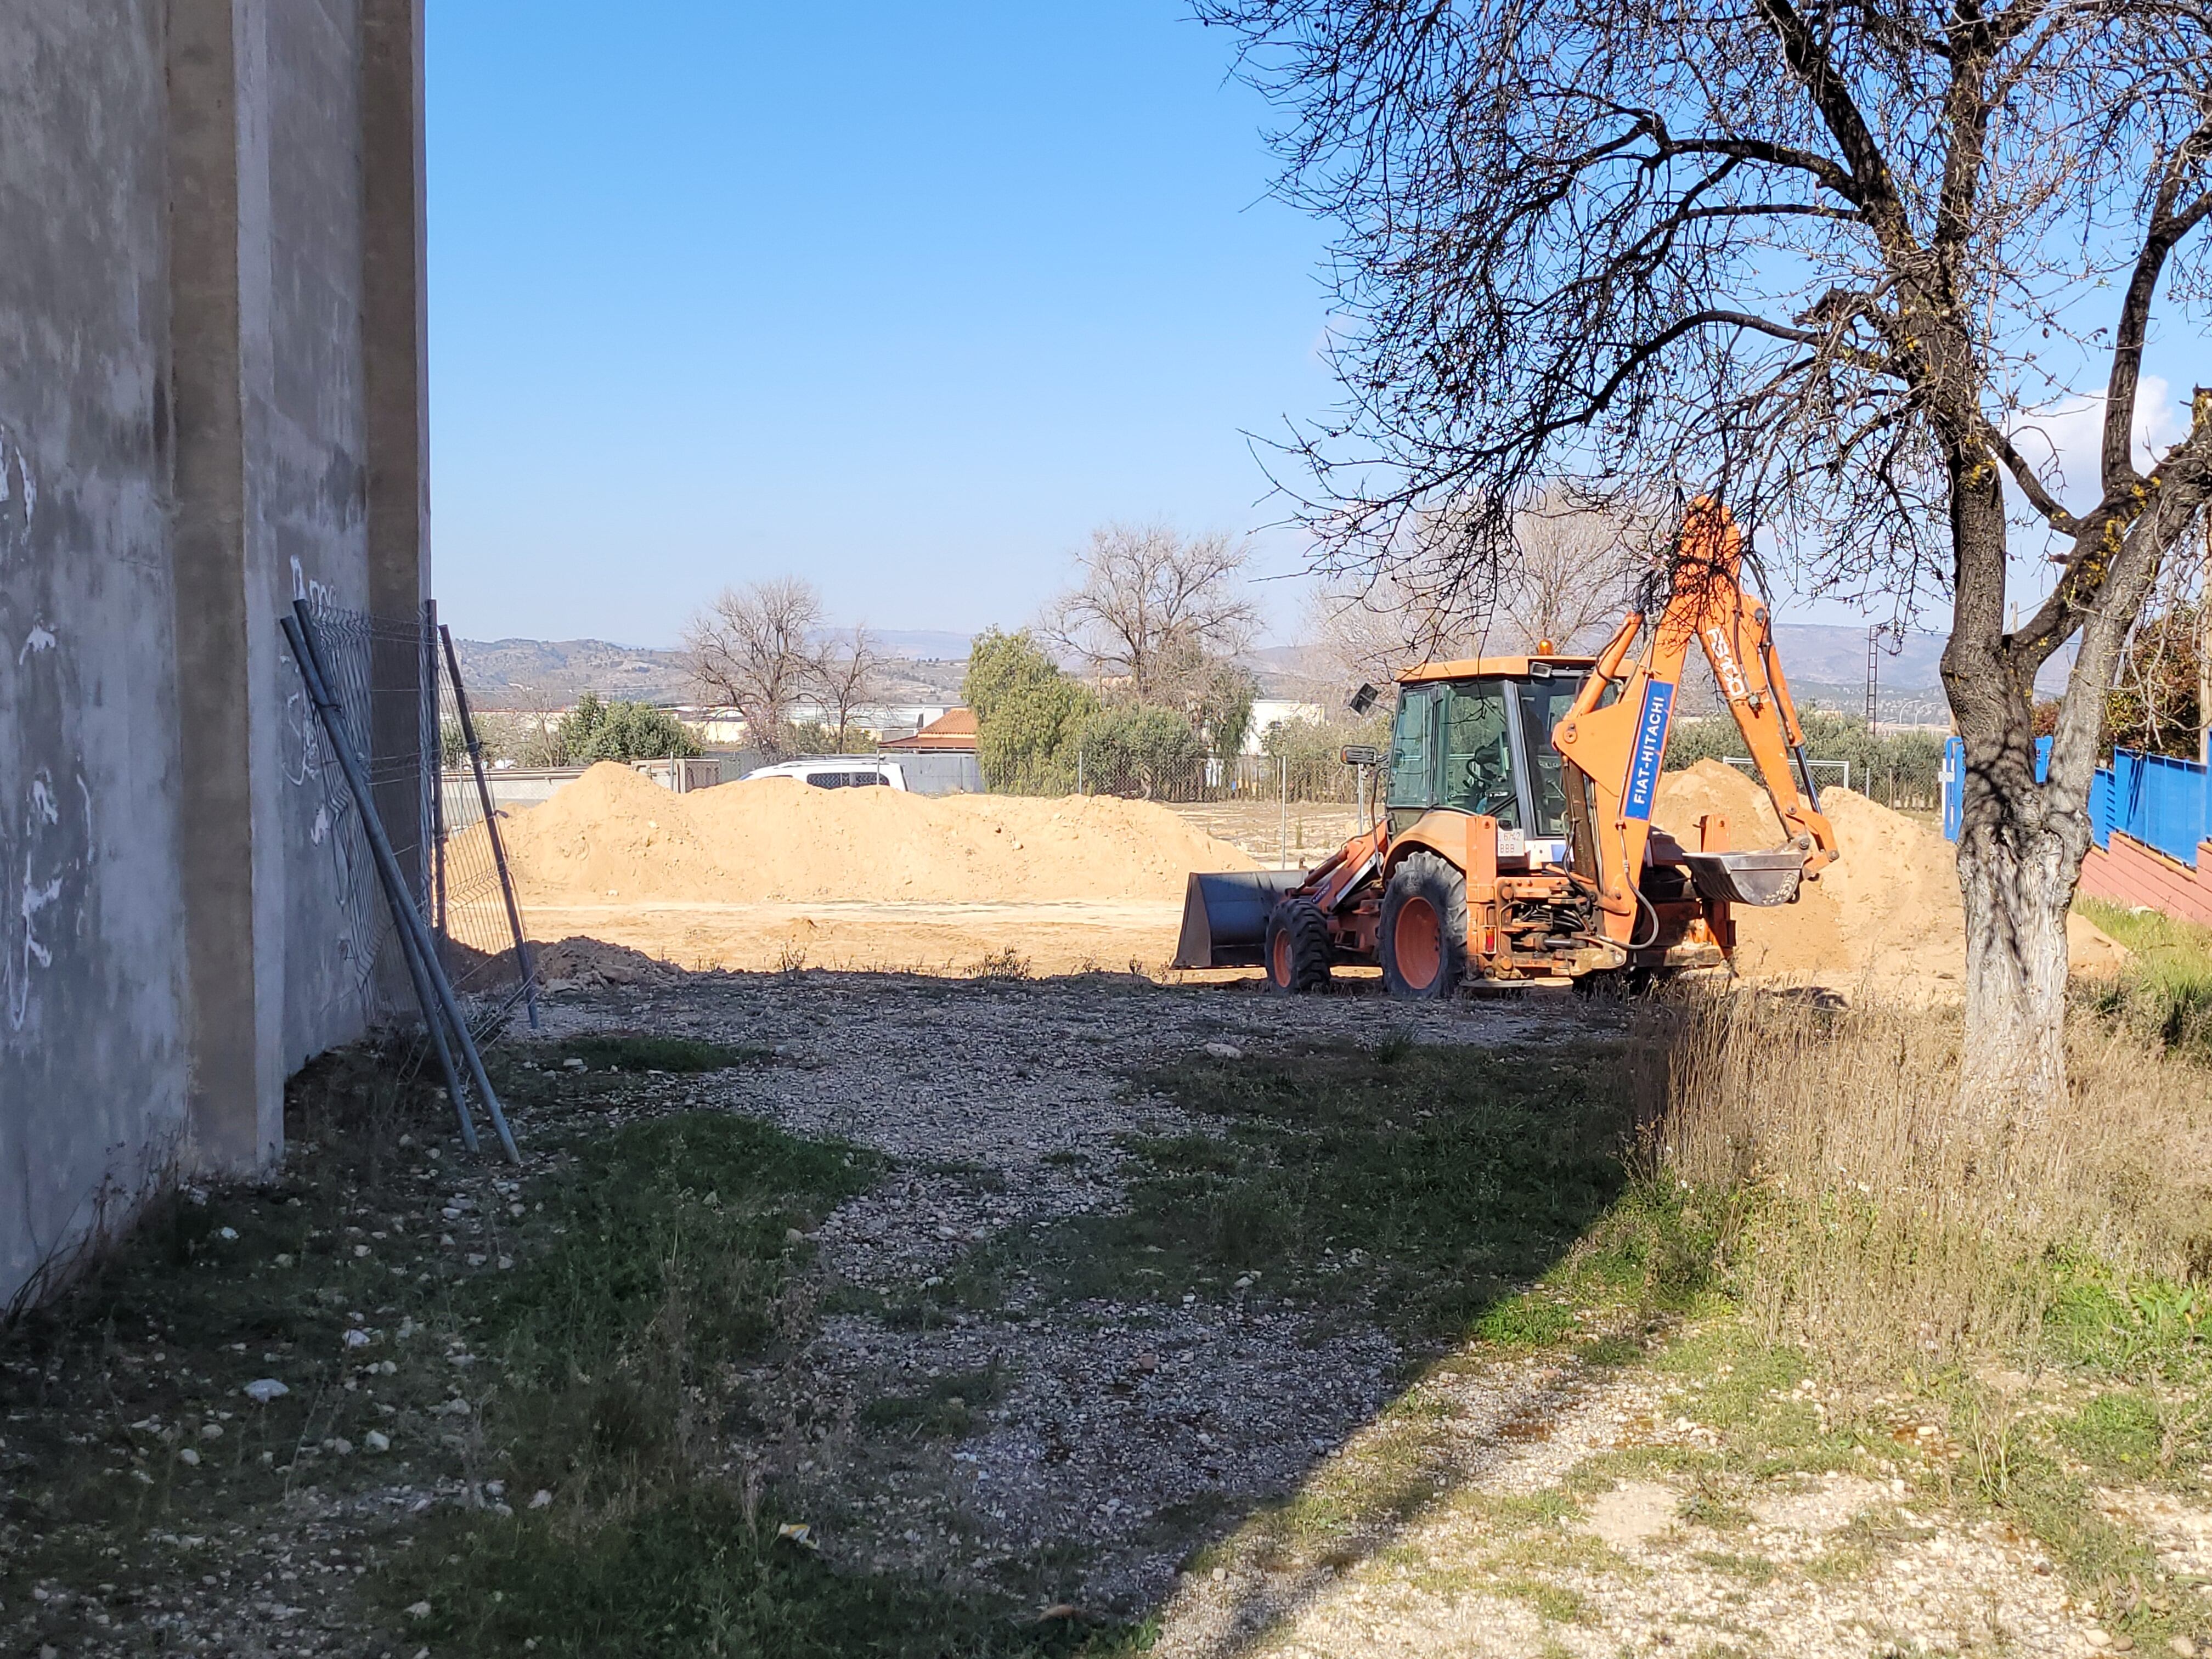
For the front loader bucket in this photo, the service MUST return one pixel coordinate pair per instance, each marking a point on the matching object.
(1757, 879)
(1224, 916)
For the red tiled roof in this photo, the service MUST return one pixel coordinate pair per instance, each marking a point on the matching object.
(954, 729)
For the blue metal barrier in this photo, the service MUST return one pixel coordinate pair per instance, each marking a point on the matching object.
(2154, 799)
(2161, 802)
(1953, 779)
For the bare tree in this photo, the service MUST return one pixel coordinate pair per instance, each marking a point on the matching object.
(1154, 610)
(847, 674)
(753, 649)
(1820, 256)
(1570, 572)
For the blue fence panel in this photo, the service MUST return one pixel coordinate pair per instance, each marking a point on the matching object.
(2102, 795)
(2161, 802)
(1954, 777)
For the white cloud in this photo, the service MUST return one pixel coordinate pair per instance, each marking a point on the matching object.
(2063, 441)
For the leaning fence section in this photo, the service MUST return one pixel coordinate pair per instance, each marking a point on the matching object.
(404, 709)
(379, 671)
(477, 917)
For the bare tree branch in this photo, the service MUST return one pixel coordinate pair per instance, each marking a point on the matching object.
(1153, 609)
(752, 648)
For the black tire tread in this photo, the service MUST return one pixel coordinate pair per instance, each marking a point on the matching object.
(1312, 949)
(1445, 887)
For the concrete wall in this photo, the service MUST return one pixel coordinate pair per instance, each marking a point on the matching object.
(210, 399)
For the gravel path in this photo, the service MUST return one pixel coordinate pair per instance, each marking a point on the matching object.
(1257, 1477)
(1125, 1431)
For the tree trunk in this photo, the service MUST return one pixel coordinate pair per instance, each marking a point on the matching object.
(2020, 841)
(2017, 882)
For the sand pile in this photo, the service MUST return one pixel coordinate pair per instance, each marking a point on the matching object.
(1889, 907)
(612, 834)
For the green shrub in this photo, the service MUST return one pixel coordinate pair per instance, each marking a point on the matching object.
(621, 730)
(1132, 750)
(1027, 714)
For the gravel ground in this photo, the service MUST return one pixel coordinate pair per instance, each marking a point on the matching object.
(1125, 1431)
(1255, 1477)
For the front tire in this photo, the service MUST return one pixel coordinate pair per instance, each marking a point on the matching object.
(1422, 937)
(1298, 948)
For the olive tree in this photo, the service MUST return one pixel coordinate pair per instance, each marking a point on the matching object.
(1827, 258)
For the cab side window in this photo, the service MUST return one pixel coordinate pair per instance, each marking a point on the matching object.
(1478, 753)
(1412, 750)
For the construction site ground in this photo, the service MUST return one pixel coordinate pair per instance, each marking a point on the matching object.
(617, 875)
(1109, 1316)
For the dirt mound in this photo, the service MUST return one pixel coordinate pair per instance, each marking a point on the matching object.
(1888, 907)
(614, 835)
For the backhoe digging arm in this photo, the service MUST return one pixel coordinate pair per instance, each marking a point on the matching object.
(1615, 752)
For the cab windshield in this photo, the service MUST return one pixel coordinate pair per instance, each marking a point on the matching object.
(1544, 704)
(1467, 745)
(1478, 754)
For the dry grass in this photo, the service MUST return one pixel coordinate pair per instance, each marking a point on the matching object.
(1865, 1222)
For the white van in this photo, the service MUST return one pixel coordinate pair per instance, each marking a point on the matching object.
(837, 772)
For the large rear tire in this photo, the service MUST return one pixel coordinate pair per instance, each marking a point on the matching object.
(1298, 948)
(1422, 937)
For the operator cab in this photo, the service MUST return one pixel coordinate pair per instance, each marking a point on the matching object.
(1475, 736)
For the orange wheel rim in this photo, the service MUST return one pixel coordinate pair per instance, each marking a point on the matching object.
(1418, 943)
(1278, 967)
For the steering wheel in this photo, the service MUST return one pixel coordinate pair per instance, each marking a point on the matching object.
(1473, 778)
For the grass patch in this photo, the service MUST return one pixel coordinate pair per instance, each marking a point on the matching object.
(1555, 1602)
(585, 1331)
(948, 1408)
(1751, 1569)
(2123, 1324)
(1435, 1180)
(698, 1573)
(2164, 991)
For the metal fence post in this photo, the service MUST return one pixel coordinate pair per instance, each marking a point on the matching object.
(522, 961)
(1283, 782)
(431, 987)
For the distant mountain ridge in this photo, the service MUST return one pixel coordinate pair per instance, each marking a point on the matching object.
(532, 675)
(1826, 665)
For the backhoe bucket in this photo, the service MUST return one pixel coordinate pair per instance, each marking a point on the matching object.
(1756, 878)
(1224, 916)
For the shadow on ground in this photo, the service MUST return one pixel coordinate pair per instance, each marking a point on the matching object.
(831, 1314)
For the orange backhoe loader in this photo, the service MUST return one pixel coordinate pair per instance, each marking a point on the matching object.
(1516, 843)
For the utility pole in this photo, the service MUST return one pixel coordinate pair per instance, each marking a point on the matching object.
(1874, 683)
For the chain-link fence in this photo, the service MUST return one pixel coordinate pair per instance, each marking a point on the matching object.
(1193, 779)
(397, 684)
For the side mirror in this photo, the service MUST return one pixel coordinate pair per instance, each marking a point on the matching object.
(1363, 699)
(1360, 754)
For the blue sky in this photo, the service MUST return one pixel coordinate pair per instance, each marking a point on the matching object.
(904, 299)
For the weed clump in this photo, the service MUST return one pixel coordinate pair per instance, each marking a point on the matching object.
(1859, 1217)
(2164, 993)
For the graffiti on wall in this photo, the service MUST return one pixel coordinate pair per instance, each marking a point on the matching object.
(47, 839)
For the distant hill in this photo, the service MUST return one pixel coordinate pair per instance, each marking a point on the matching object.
(532, 674)
(549, 674)
(1826, 665)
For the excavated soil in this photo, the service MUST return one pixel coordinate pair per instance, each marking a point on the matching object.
(776, 874)
(614, 835)
(1888, 911)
